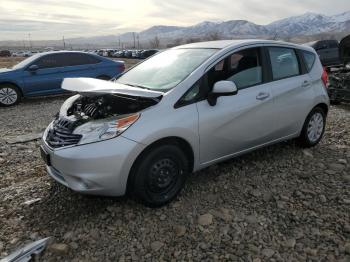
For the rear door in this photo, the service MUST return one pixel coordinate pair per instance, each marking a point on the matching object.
(239, 122)
(291, 88)
(80, 65)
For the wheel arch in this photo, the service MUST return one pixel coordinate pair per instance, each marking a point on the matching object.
(323, 106)
(12, 84)
(183, 144)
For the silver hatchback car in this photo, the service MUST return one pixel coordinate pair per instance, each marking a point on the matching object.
(182, 110)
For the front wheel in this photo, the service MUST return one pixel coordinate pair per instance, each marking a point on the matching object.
(9, 95)
(313, 128)
(159, 175)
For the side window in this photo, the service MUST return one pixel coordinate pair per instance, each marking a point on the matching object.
(309, 59)
(81, 59)
(244, 68)
(52, 61)
(284, 62)
(48, 61)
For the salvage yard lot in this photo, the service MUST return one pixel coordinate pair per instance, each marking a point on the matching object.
(280, 203)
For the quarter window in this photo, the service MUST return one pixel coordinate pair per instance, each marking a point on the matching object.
(309, 59)
(284, 62)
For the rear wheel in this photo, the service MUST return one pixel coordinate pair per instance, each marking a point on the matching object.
(313, 128)
(159, 175)
(9, 95)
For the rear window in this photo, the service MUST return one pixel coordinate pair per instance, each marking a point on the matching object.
(284, 62)
(309, 59)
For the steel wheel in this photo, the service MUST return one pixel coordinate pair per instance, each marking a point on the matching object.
(8, 96)
(159, 175)
(163, 175)
(315, 127)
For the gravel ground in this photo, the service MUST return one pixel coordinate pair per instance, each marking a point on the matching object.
(280, 203)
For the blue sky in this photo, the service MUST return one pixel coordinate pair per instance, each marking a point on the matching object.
(51, 19)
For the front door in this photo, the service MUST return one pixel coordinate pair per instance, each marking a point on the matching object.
(239, 122)
(47, 79)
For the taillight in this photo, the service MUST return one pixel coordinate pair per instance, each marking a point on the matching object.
(325, 77)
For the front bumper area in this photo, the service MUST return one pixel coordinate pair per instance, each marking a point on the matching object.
(100, 168)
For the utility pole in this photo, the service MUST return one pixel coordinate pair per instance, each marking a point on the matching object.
(138, 41)
(119, 43)
(64, 43)
(30, 41)
(133, 34)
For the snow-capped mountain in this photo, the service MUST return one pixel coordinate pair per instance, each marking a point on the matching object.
(306, 24)
(310, 24)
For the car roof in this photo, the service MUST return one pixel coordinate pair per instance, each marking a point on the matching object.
(223, 44)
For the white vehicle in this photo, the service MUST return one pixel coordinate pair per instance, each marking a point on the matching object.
(182, 110)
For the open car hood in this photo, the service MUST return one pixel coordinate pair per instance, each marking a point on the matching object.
(96, 86)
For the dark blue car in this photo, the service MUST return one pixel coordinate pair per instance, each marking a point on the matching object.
(42, 74)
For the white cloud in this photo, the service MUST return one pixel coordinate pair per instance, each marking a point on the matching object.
(51, 19)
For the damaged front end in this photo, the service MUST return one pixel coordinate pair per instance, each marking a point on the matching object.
(96, 115)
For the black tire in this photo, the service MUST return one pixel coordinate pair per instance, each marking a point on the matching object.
(304, 139)
(9, 92)
(103, 77)
(159, 175)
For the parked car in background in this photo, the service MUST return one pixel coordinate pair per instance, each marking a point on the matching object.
(42, 74)
(328, 51)
(147, 53)
(5, 53)
(165, 118)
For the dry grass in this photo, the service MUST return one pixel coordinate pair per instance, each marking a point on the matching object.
(8, 62)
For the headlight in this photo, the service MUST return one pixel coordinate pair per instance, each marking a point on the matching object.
(100, 130)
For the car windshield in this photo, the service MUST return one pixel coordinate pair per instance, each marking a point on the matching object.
(26, 62)
(165, 70)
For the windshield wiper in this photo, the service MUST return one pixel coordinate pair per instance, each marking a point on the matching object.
(139, 86)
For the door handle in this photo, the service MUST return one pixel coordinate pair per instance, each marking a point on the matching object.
(262, 96)
(305, 84)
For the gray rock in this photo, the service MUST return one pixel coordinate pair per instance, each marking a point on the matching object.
(336, 167)
(23, 138)
(308, 153)
(290, 243)
(157, 245)
(267, 252)
(179, 230)
(347, 248)
(205, 220)
(59, 248)
(323, 199)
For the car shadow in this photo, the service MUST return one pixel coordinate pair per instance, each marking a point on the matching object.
(36, 99)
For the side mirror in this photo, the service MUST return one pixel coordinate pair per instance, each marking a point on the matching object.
(33, 68)
(222, 88)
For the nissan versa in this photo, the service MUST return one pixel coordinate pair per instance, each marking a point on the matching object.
(182, 110)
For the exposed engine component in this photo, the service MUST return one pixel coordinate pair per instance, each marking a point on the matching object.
(97, 107)
(84, 108)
